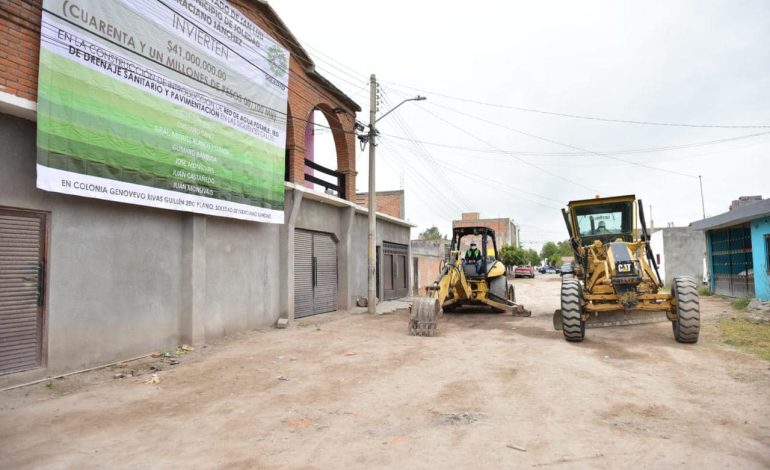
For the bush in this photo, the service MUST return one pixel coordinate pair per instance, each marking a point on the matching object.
(704, 291)
(741, 304)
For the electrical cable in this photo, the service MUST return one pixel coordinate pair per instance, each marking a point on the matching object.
(579, 116)
(545, 139)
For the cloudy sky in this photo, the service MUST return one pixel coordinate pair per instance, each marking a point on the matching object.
(501, 76)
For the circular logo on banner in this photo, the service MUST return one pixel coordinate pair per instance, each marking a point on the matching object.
(277, 60)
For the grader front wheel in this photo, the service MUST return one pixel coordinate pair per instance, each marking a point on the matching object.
(573, 327)
(687, 324)
(424, 318)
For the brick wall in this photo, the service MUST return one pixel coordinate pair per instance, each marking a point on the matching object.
(19, 47)
(388, 202)
(19, 55)
(502, 228)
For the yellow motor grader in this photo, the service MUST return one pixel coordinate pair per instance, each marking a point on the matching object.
(616, 279)
(466, 282)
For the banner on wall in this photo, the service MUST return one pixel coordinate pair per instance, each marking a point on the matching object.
(177, 104)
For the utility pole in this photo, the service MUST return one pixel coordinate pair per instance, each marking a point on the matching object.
(652, 221)
(372, 274)
(702, 203)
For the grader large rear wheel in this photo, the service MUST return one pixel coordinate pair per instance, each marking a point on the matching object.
(424, 318)
(687, 324)
(573, 327)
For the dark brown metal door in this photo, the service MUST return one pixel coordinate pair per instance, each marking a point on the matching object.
(387, 264)
(22, 276)
(395, 272)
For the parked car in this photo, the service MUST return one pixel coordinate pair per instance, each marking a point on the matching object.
(548, 270)
(566, 268)
(524, 271)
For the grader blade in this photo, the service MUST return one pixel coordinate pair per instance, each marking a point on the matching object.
(619, 318)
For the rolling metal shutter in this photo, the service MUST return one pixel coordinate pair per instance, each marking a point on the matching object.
(315, 273)
(21, 276)
(325, 287)
(303, 274)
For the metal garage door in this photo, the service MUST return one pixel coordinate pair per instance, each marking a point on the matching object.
(315, 273)
(395, 270)
(732, 261)
(22, 251)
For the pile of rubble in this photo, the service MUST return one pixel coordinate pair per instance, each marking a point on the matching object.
(759, 311)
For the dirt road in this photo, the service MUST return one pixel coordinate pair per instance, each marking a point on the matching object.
(354, 391)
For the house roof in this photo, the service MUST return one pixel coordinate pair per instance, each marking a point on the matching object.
(740, 215)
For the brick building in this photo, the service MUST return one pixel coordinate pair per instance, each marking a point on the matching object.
(388, 202)
(103, 281)
(506, 231)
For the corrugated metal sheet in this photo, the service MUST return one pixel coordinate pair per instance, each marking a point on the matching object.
(303, 274)
(315, 273)
(21, 256)
(325, 290)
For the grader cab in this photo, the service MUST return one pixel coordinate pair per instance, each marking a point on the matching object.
(616, 279)
(466, 282)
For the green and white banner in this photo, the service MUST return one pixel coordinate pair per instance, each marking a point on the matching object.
(178, 104)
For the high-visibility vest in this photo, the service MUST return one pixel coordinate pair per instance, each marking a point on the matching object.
(473, 253)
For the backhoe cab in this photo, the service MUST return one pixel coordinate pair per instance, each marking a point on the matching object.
(462, 283)
(616, 279)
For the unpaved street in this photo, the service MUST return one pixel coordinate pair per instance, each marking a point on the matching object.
(354, 391)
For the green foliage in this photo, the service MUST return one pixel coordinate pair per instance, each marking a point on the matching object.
(513, 256)
(533, 257)
(704, 291)
(549, 249)
(565, 249)
(551, 254)
(741, 304)
(431, 233)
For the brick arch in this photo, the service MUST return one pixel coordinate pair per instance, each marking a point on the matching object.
(344, 142)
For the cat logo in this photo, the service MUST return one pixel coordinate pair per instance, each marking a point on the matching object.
(624, 267)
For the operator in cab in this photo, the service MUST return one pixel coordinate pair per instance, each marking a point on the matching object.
(473, 256)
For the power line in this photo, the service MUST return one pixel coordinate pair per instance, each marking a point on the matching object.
(579, 116)
(545, 139)
(424, 155)
(500, 150)
(498, 184)
(526, 153)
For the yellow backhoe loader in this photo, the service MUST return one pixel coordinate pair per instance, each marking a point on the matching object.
(466, 282)
(616, 279)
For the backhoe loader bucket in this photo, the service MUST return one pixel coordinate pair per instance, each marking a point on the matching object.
(424, 317)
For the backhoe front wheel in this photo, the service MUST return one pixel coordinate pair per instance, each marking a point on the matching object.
(687, 324)
(573, 327)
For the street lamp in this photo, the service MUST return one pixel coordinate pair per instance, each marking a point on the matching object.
(373, 119)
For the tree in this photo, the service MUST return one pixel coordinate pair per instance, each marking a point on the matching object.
(551, 253)
(565, 248)
(533, 257)
(512, 255)
(431, 233)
